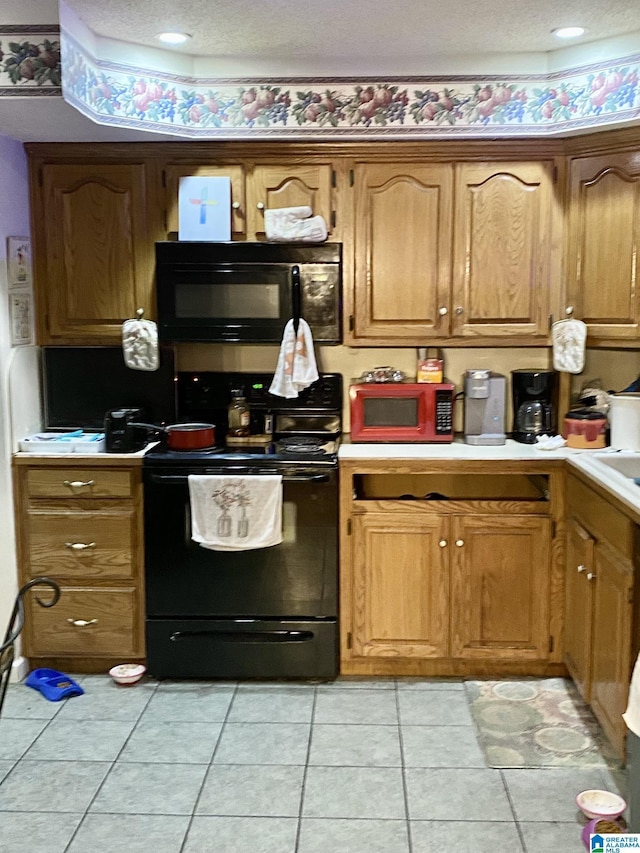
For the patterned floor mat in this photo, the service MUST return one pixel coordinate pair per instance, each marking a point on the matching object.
(536, 723)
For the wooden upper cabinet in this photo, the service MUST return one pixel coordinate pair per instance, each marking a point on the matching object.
(505, 249)
(93, 251)
(272, 186)
(235, 172)
(604, 227)
(402, 240)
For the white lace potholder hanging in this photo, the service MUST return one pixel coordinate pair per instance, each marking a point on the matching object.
(140, 343)
(569, 339)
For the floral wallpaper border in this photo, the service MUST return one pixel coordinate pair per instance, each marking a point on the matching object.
(46, 60)
(132, 97)
(30, 60)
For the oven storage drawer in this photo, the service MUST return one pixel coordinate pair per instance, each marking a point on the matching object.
(228, 648)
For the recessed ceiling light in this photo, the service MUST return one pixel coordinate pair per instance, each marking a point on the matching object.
(173, 38)
(568, 32)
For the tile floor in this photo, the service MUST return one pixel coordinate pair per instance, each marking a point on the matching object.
(373, 766)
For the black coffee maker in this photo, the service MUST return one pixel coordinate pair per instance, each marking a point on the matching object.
(533, 404)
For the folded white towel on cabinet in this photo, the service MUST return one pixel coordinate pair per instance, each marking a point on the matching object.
(296, 368)
(236, 513)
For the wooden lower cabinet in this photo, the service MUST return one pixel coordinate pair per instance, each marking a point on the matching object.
(500, 587)
(599, 619)
(446, 587)
(401, 579)
(80, 523)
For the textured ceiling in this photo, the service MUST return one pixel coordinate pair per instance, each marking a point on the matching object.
(330, 37)
(358, 28)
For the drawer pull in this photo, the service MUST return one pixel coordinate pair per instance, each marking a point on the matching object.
(79, 546)
(77, 484)
(590, 576)
(582, 568)
(82, 623)
(442, 543)
(459, 543)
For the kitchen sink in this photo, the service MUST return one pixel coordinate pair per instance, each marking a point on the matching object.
(626, 464)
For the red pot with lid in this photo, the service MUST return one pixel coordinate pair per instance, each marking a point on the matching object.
(585, 429)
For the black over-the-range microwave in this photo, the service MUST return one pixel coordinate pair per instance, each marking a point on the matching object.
(246, 292)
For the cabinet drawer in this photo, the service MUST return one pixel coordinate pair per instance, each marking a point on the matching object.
(111, 616)
(601, 519)
(82, 544)
(78, 482)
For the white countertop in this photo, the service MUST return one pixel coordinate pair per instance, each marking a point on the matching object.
(454, 450)
(589, 462)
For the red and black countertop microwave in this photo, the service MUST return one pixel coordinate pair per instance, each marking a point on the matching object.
(402, 411)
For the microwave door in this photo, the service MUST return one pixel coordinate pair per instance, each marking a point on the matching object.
(226, 303)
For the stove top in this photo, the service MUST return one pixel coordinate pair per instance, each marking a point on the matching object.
(287, 450)
(306, 429)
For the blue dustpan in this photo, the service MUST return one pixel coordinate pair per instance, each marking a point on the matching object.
(53, 685)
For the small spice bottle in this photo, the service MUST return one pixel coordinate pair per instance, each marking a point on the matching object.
(239, 415)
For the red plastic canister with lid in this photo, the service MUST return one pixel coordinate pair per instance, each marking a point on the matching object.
(585, 429)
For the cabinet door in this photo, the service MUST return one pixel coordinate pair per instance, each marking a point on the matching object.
(400, 586)
(611, 672)
(235, 173)
(604, 224)
(500, 587)
(287, 186)
(94, 252)
(402, 251)
(504, 249)
(579, 606)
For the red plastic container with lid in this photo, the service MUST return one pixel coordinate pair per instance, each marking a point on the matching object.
(585, 429)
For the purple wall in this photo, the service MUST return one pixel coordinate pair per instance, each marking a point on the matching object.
(14, 192)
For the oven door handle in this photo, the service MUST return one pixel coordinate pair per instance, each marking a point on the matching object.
(276, 636)
(183, 478)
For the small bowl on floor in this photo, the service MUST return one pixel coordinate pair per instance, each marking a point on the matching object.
(126, 674)
(600, 804)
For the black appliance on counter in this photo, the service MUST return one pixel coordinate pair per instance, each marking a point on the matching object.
(533, 404)
(246, 292)
(262, 613)
(121, 433)
(81, 384)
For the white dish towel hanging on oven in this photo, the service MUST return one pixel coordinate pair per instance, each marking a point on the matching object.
(296, 368)
(233, 513)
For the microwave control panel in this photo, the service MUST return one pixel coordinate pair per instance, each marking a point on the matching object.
(444, 412)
